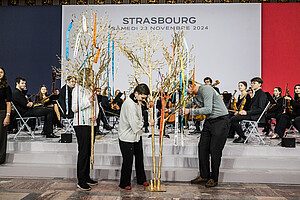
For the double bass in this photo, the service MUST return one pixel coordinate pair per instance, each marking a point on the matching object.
(55, 106)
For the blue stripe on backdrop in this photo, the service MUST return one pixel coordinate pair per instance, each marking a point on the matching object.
(30, 39)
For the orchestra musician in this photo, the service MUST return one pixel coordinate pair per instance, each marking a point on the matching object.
(258, 103)
(104, 107)
(242, 103)
(65, 97)
(26, 108)
(288, 115)
(214, 132)
(274, 110)
(208, 81)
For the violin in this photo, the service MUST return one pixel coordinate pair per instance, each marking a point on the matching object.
(234, 108)
(216, 83)
(287, 103)
(241, 107)
(43, 101)
(114, 106)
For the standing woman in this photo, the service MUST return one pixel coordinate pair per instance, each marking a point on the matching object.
(82, 100)
(130, 136)
(5, 110)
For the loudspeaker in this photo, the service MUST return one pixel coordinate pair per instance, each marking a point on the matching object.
(288, 142)
(66, 138)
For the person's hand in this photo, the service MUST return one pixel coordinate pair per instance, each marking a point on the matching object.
(92, 98)
(243, 112)
(184, 112)
(29, 104)
(167, 110)
(152, 122)
(93, 118)
(6, 120)
(287, 98)
(236, 113)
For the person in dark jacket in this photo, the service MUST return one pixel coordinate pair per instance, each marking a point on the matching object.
(65, 97)
(258, 104)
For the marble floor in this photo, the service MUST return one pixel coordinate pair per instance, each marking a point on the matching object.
(59, 189)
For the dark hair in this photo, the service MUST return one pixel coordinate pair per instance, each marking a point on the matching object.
(257, 79)
(19, 79)
(296, 97)
(70, 77)
(244, 83)
(3, 81)
(142, 89)
(279, 89)
(207, 78)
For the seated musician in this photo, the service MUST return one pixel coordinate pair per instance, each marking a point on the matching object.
(258, 104)
(242, 103)
(288, 115)
(208, 81)
(65, 97)
(105, 107)
(250, 92)
(118, 100)
(274, 110)
(26, 108)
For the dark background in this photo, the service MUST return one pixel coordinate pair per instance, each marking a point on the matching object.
(30, 39)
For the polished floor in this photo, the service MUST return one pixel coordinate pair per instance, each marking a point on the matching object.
(59, 189)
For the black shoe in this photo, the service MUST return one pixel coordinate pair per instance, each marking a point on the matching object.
(239, 140)
(146, 130)
(84, 186)
(92, 182)
(107, 127)
(51, 136)
(195, 132)
(166, 136)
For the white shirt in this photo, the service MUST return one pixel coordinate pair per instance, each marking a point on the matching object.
(82, 107)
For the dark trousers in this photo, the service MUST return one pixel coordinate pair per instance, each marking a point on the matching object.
(3, 137)
(297, 123)
(145, 118)
(129, 150)
(83, 134)
(235, 124)
(101, 117)
(284, 122)
(49, 117)
(212, 141)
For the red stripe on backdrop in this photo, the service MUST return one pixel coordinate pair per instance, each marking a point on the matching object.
(280, 45)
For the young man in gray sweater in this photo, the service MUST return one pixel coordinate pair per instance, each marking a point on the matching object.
(214, 133)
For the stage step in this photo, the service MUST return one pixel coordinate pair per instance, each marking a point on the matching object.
(249, 163)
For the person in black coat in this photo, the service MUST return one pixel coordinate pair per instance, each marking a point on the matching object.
(26, 108)
(5, 111)
(286, 117)
(65, 97)
(258, 104)
(275, 110)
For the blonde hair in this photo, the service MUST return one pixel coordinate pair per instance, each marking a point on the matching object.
(88, 72)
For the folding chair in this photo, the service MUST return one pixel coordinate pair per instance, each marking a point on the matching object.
(68, 122)
(292, 129)
(252, 127)
(23, 122)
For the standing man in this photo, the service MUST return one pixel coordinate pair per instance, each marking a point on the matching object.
(65, 97)
(214, 133)
(257, 106)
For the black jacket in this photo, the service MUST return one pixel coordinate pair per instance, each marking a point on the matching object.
(62, 101)
(20, 101)
(257, 106)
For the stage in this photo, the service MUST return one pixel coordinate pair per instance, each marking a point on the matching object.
(245, 163)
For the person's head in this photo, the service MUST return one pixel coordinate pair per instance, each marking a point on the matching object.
(89, 75)
(256, 83)
(20, 83)
(242, 86)
(43, 91)
(141, 92)
(190, 87)
(207, 81)
(250, 92)
(297, 91)
(56, 91)
(3, 78)
(98, 91)
(71, 80)
(277, 92)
